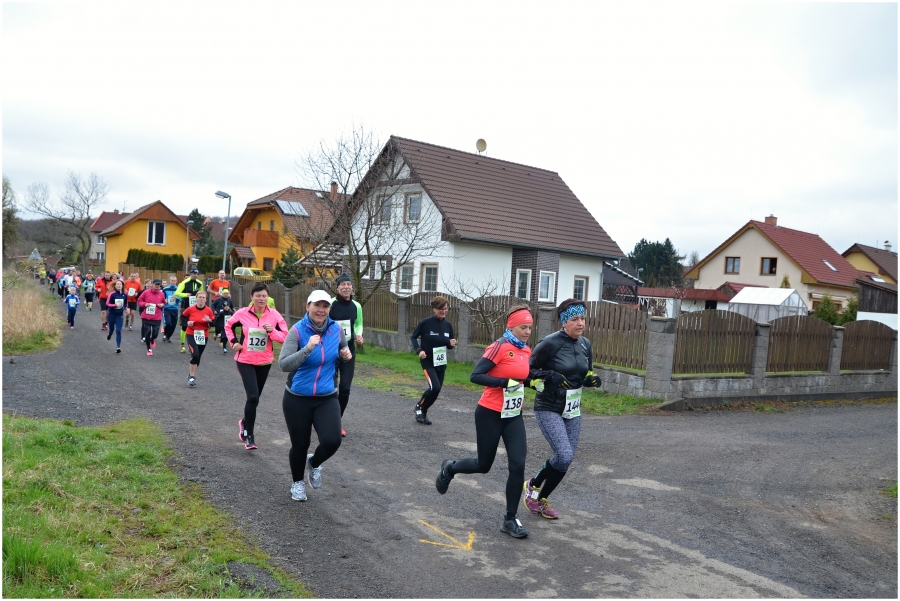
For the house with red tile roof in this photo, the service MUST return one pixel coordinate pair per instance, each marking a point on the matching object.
(478, 221)
(762, 253)
(881, 263)
(672, 302)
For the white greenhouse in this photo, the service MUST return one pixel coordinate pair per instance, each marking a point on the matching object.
(762, 305)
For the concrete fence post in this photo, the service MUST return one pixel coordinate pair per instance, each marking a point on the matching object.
(759, 356)
(462, 336)
(894, 354)
(547, 322)
(660, 356)
(834, 354)
(403, 329)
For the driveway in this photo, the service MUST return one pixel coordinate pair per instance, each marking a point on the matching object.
(695, 504)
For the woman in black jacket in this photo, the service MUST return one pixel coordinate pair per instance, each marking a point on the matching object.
(431, 340)
(563, 361)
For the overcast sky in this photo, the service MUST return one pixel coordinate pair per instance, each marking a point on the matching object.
(678, 120)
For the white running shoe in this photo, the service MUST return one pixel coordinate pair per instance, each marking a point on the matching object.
(313, 474)
(298, 491)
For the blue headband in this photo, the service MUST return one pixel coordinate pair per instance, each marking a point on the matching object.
(572, 311)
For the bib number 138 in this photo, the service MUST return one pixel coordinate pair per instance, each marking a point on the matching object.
(512, 401)
(573, 404)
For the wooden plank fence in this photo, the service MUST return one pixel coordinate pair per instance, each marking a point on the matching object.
(420, 308)
(867, 345)
(381, 312)
(488, 318)
(618, 334)
(713, 341)
(799, 343)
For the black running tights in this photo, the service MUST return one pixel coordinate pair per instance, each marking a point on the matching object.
(302, 414)
(489, 429)
(195, 349)
(254, 378)
(435, 377)
(149, 331)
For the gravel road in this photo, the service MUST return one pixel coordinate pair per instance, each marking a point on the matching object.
(695, 504)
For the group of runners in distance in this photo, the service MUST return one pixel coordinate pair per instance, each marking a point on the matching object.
(319, 353)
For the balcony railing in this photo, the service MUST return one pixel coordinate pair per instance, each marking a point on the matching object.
(254, 237)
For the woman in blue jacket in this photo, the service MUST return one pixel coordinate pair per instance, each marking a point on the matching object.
(310, 354)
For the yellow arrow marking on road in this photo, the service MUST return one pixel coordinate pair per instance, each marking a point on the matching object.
(456, 545)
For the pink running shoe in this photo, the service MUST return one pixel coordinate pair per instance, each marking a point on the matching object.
(547, 511)
(531, 498)
(241, 435)
(149, 352)
(153, 344)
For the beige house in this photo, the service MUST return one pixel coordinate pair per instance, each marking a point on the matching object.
(763, 253)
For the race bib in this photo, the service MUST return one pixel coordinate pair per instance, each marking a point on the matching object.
(225, 321)
(192, 300)
(150, 309)
(573, 404)
(200, 337)
(512, 401)
(256, 340)
(73, 303)
(172, 300)
(439, 355)
(131, 291)
(345, 328)
(120, 302)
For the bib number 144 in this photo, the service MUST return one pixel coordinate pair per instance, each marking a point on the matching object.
(573, 404)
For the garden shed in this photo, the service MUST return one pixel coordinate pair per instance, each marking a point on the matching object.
(762, 305)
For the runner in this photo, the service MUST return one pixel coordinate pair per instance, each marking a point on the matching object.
(170, 313)
(187, 292)
(104, 287)
(310, 353)
(223, 307)
(62, 283)
(115, 307)
(260, 326)
(349, 315)
(43, 274)
(216, 286)
(151, 303)
(436, 334)
(563, 361)
(502, 370)
(197, 319)
(72, 301)
(133, 289)
(90, 287)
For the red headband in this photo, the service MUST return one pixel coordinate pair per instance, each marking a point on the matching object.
(518, 318)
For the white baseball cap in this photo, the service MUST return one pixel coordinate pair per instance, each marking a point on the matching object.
(318, 295)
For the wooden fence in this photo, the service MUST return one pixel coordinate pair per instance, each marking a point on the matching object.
(713, 341)
(799, 343)
(618, 334)
(867, 345)
(488, 318)
(380, 312)
(420, 308)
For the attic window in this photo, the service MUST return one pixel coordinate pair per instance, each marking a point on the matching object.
(830, 266)
(875, 278)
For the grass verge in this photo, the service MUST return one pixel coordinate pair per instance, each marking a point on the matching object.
(32, 318)
(406, 366)
(96, 512)
(890, 491)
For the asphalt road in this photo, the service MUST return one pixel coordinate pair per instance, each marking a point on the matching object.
(696, 504)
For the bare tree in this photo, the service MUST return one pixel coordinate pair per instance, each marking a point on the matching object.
(10, 216)
(481, 300)
(366, 221)
(72, 212)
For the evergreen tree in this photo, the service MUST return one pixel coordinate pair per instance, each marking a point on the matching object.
(849, 313)
(10, 216)
(287, 271)
(660, 262)
(200, 226)
(827, 311)
(785, 282)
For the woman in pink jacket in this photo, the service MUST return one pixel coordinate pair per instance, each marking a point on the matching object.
(260, 325)
(151, 303)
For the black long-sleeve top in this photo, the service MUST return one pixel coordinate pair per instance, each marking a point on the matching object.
(430, 333)
(565, 355)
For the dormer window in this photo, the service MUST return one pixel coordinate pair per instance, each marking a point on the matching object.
(830, 266)
(875, 278)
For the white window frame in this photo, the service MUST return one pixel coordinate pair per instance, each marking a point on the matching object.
(384, 205)
(102, 239)
(364, 269)
(551, 288)
(407, 205)
(412, 273)
(526, 274)
(380, 268)
(584, 291)
(150, 226)
(424, 276)
(101, 255)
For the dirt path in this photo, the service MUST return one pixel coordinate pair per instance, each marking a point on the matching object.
(718, 504)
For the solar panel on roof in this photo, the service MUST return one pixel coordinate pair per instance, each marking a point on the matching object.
(291, 207)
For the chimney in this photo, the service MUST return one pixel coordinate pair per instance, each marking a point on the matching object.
(116, 211)
(333, 191)
(887, 245)
(772, 220)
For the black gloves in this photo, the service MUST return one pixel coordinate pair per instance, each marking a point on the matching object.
(559, 380)
(591, 381)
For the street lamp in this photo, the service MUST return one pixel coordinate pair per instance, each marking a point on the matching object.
(221, 194)
(187, 254)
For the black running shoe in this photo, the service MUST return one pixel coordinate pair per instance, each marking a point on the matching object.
(108, 336)
(420, 415)
(425, 419)
(248, 442)
(442, 482)
(514, 528)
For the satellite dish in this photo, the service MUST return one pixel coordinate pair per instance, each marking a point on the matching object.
(481, 145)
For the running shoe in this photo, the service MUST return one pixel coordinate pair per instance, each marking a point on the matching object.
(425, 419)
(118, 351)
(152, 344)
(224, 350)
(192, 381)
(530, 500)
(343, 433)
(420, 417)
(108, 336)
(313, 474)
(149, 352)
(547, 511)
(103, 327)
(71, 327)
(442, 482)
(129, 328)
(142, 339)
(241, 432)
(249, 444)
(182, 348)
(514, 528)
(298, 491)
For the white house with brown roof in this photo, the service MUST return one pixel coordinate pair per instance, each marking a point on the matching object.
(477, 223)
(763, 253)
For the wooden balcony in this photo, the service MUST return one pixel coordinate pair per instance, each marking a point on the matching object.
(254, 237)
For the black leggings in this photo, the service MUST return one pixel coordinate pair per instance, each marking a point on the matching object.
(345, 370)
(435, 377)
(171, 318)
(489, 429)
(196, 349)
(254, 378)
(302, 414)
(149, 331)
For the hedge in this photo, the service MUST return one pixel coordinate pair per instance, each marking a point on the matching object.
(209, 264)
(153, 260)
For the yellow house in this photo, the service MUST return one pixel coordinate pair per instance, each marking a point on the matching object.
(291, 217)
(880, 263)
(153, 227)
